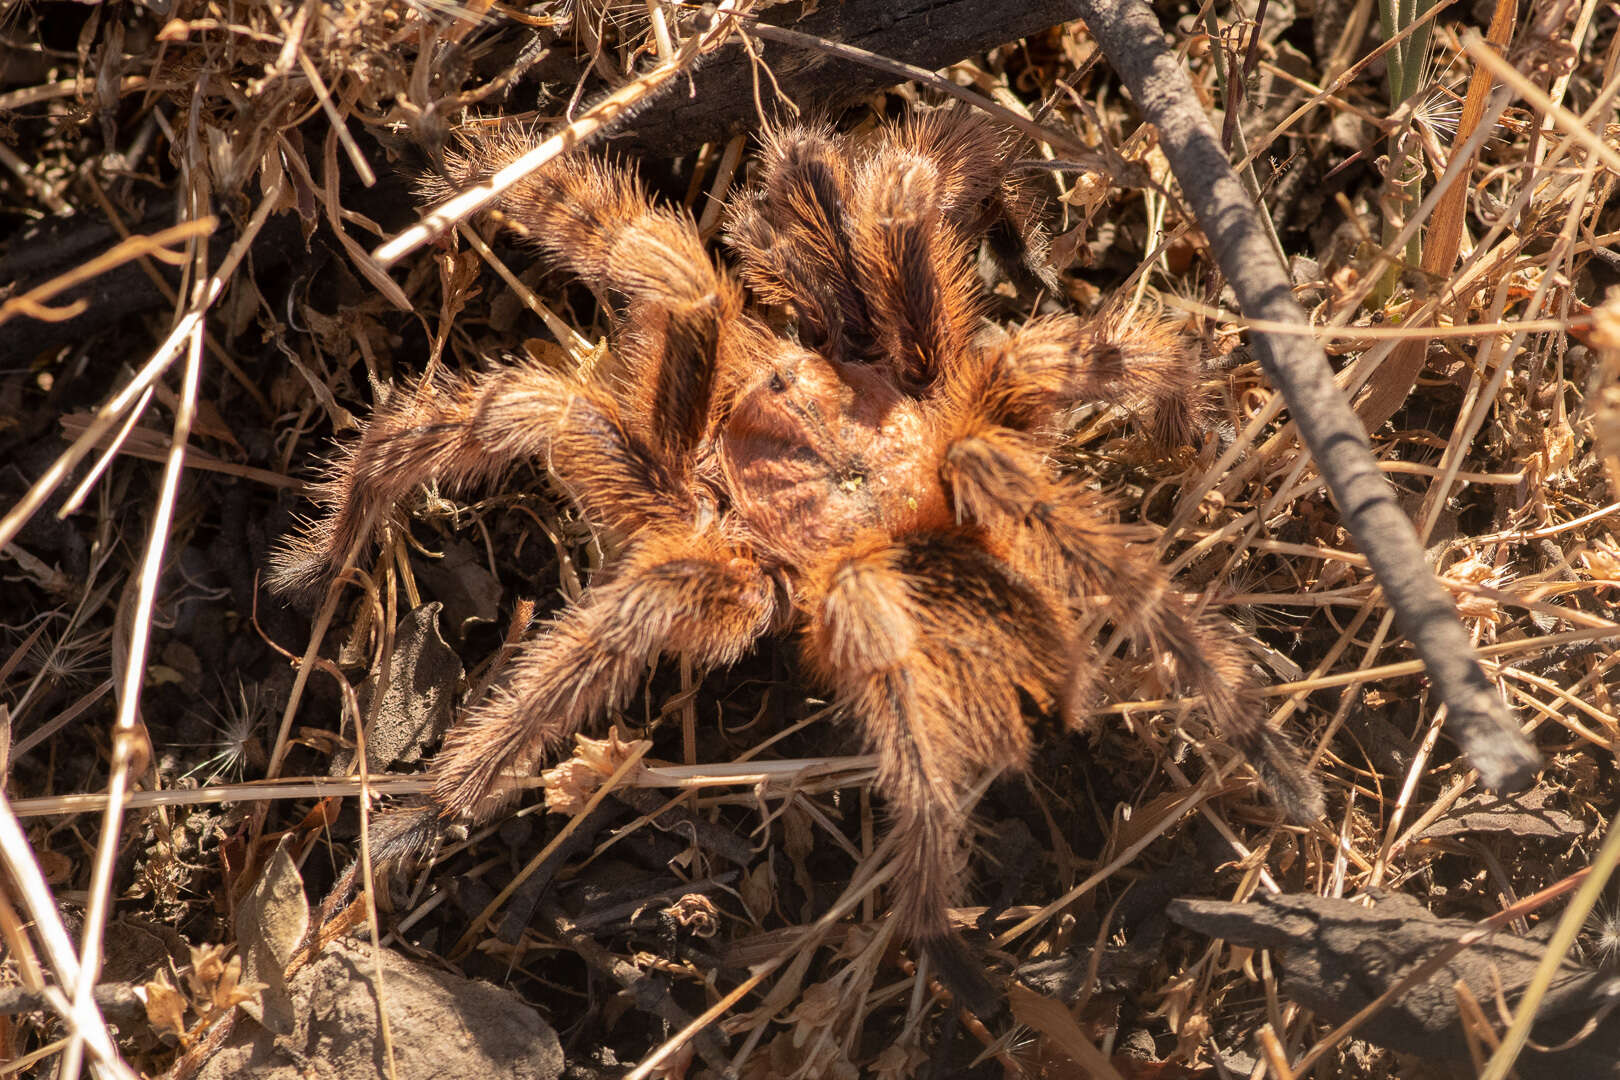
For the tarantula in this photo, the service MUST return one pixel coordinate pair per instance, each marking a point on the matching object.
(853, 456)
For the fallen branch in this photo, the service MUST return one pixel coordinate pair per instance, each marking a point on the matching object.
(925, 34)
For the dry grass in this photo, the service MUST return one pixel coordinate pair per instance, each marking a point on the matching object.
(245, 162)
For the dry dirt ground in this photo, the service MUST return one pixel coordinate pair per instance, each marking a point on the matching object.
(264, 151)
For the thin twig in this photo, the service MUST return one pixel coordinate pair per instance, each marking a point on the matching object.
(29, 884)
(128, 739)
(1477, 47)
(114, 409)
(610, 110)
(33, 302)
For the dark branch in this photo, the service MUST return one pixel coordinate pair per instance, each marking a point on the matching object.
(929, 34)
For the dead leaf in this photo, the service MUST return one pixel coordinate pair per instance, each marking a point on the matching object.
(216, 982)
(819, 1007)
(571, 782)
(270, 922)
(460, 581)
(1052, 1018)
(165, 1007)
(758, 891)
(1525, 815)
(1601, 558)
(423, 674)
(207, 964)
(56, 867)
(1478, 570)
(898, 1060)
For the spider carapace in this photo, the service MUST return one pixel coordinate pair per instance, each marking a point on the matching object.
(833, 443)
(818, 452)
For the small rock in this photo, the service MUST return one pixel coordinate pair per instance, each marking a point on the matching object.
(441, 1025)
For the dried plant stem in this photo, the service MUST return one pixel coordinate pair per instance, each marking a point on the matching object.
(297, 787)
(307, 663)
(1191, 799)
(1444, 238)
(700, 1022)
(128, 740)
(1403, 800)
(576, 343)
(901, 70)
(368, 882)
(724, 173)
(1383, 671)
(1486, 258)
(829, 773)
(627, 766)
(1574, 126)
(1403, 334)
(1560, 86)
(1135, 45)
(113, 410)
(1477, 403)
(60, 720)
(1563, 939)
(33, 302)
(362, 167)
(110, 454)
(1478, 263)
(1276, 1055)
(1232, 83)
(1404, 73)
(660, 28)
(83, 1020)
(1391, 390)
(1288, 124)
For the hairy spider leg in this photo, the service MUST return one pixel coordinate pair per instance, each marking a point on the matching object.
(922, 295)
(854, 244)
(791, 243)
(934, 647)
(1065, 541)
(594, 219)
(673, 592)
(969, 154)
(1207, 656)
(462, 430)
(1032, 380)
